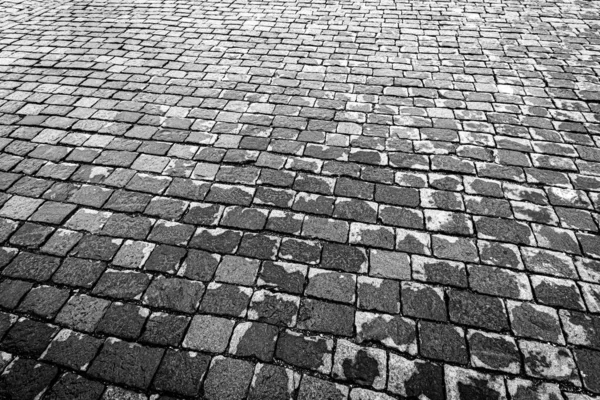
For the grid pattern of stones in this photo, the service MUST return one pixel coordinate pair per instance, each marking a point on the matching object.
(300, 199)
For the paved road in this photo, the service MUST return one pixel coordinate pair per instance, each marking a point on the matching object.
(309, 199)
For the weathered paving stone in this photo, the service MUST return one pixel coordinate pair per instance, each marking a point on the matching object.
(273, 382)
(300, 251)
(520, 389)
(325, 317)
(82, 312)
(372, 235)
(79, 272)
(61, 242)
(123, 320)
(423, 301)
(309, 352)
(360, 365)
(366, 394)
(477, 310)
(378, 294)
(26, 379)
(443, 342)
(28, 338)
(312, 388)
(97, 247)
(587, 361)
(174, 293)
(493, 351)
(546, 361)
(344, 258)
(455, 248)
(285, 277)
(225, 299)
(198, 265)
(499, 282)
(274, 308)
(162, 258)
(44, 301)
(415, 378)
(71, 385)
(203, 214)
(165, 329)
(132, 254)
(126, 285)
(391, 331)
(500, 254)
(466, 384)
(388, 264)
(228, 379)
(126, 363)
(581, 328)
(172, 233)
(237, 270)
(30, 235)
(124, 226)
(548, 262)
(435, 271)
(254, 339)
(331, 285)
(258, 245)
(535, 321)
(181, 372)
(216, 240)
(71, 349)
(31, 266)
(557, 292)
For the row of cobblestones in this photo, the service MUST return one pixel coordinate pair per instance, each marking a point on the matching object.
(300, 199)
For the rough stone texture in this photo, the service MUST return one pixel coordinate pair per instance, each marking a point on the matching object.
(301, 186)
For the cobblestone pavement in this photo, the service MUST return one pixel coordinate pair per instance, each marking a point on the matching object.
(300, 199)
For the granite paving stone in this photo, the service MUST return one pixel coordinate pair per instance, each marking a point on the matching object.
(300, 200)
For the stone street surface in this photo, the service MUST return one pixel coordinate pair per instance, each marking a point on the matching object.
(300, 199)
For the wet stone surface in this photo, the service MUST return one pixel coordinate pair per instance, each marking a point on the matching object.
(300, 200)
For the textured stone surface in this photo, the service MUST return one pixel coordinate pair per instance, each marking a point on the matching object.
(299, 199)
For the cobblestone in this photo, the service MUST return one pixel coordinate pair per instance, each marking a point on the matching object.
(300, 200)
